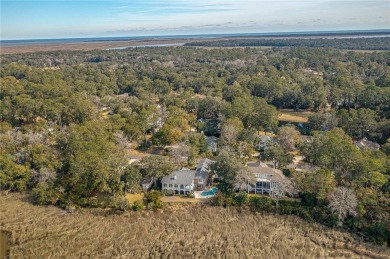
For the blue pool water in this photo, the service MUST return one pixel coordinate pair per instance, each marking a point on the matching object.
(210, 192)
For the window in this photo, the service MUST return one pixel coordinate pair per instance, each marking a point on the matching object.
(176, 185)
(165, 185)
(170, 185)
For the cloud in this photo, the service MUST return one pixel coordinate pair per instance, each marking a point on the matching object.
(143, 17)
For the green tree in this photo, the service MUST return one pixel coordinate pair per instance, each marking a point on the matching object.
(358, 123)
(155, 166)
(131, 178)
(334, 150)
(264, 117)
(231, 172)
(13, 176)
(376, 180)
(321, 183)
(275, 153)
(94, 161)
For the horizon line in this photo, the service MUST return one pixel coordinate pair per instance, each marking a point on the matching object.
(200, 34)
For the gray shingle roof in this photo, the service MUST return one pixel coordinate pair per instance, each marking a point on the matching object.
(256, 168)
(203, 164)
(202, 168)
(365, 144)
(179, 177)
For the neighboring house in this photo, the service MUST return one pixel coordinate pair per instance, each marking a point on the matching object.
(313, 72)
(179, 182)
(365, 144)
(133, 158)
(202, 173)
(262, 142)
(268, 180)
(212, 143)
(146, 183)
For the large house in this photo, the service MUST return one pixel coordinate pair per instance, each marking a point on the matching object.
(268, 180)
(185, 181)
(179, 182)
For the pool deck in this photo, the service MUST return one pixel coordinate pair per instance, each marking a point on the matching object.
(198, 195)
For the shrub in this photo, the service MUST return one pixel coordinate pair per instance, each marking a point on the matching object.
(219, 199)
(378, 233)
(285, 207)
(303, 213)
(93, 202)
(324, 216)
(120, 203)
(138, 205)
(241, 198)
(260, 203)
(153, 200)
(308, 199)
(43, 194)
(229, 200)
(191, 195)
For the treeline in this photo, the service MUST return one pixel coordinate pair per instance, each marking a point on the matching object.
(193, 85)
(377, 43)
(298, 78)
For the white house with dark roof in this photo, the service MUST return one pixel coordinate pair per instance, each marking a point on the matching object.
(179, 182)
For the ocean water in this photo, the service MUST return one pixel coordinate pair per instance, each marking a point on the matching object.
(349, 34)
(148, 45)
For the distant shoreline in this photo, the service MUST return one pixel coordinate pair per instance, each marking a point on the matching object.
(37, 45)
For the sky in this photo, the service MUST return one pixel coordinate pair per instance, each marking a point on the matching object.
(93, 18)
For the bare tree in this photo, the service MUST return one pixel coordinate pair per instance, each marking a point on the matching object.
(122, 140)
(229, 134)
(289, 137)
(343, 202)
(244, 177)
(179, 153)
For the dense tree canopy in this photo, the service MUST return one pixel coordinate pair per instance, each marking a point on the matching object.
(67, 119)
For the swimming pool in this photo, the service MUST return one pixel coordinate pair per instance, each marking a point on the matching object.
(210, 192)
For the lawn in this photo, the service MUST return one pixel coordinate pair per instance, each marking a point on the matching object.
(135, 152)
(294, 116)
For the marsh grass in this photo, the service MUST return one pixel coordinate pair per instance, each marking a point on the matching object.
(192, 230)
